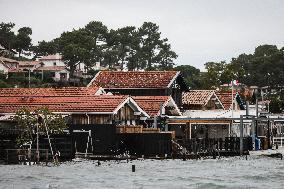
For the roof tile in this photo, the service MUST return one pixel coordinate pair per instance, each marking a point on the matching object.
(134, 79)
(99, 103)
(226, 98)
(151, 104)
(64, 91)
(196, 97)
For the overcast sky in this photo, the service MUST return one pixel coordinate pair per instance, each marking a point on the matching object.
(198, 30)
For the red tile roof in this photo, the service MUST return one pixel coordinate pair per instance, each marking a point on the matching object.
(92, 104)
(55, 92)
(3, 59)
(134, 79)
(51, 57)
(197, 97)
(29, 63)
(151, 104)
(226, 98)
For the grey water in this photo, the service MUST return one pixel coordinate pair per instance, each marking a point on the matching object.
(235, 172)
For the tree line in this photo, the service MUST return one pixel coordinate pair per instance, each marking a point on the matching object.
(143, 48)
(19, 41)
(264, 67)
(128, 47)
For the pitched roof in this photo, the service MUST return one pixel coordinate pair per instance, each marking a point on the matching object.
(134, 79)
(151, 104)
(10, 64)
(102, 104)
(226, 98)
(44, 92)
(3, 59)
(51, 57)
(29, 63)
(51, 68)
(197, 97)
(3, 63)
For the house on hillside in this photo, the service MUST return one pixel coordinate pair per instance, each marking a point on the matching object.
(52, 60)
(4, 51)
(56, 60)
(3, 68)
(57, 73)
(201, 100)
(9, 66)
(142, 83)
(12, 65)
(30, 65)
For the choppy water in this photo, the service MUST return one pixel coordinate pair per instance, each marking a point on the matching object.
(221, 173)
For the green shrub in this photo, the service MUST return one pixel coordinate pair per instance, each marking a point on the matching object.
(3, 84)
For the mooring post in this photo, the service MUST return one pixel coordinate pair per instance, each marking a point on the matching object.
(214, 154)
(241, 135)
(183, 153)
(46, 157)
(133, 168)
(7, 157)
(29, 156)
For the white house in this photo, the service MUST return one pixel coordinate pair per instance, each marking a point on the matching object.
(56, 60)
(52, 60)
(30, 65)
(59, 73)
(3, 68)
(10, 64)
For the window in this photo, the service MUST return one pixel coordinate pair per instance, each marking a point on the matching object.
(54, 63)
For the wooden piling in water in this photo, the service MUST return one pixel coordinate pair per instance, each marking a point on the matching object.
(46, 157)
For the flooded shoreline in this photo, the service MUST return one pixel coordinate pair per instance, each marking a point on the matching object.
(235, 172)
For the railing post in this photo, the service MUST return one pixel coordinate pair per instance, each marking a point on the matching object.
(241, 134)
(189, 130)
(253, 133)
